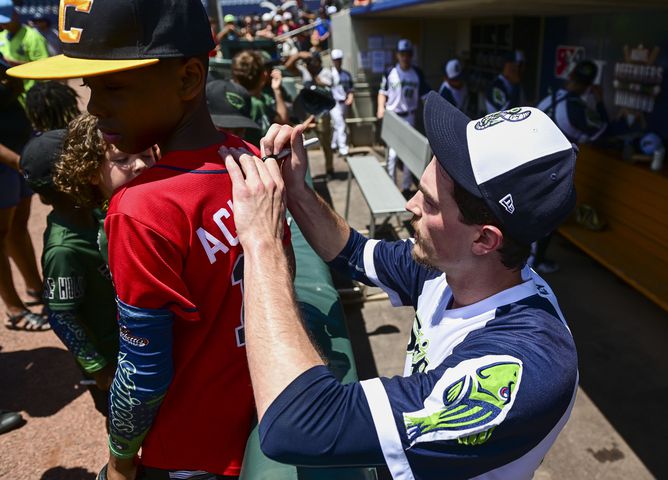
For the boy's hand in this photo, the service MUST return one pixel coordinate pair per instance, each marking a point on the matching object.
(259, 207)
(294, 167)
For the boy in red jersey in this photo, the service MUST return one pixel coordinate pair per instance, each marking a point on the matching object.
(182, 390)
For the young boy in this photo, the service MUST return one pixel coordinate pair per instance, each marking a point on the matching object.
(182, 389)
(77, 287)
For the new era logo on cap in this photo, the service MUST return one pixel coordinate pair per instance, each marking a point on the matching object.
(517, 161)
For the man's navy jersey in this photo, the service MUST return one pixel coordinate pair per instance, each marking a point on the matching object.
(403, 89)
(486, 388)
(502, 95)
(579, 122)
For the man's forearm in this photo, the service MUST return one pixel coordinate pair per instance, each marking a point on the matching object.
(281, 107)
(275, 333)
(323, 228)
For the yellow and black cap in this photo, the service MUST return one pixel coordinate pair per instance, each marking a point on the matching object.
(107, 36)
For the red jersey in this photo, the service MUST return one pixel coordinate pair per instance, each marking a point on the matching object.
(173, 244)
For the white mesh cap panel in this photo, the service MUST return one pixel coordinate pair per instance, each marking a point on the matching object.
(503, 141)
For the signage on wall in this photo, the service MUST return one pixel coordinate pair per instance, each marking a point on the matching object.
(567, 57)
(637, 80)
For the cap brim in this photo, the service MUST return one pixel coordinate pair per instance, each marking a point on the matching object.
(445, 126)
(233, 121)
(62, 67)
(5, 19)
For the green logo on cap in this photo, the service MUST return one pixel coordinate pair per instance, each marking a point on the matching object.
(235, 100)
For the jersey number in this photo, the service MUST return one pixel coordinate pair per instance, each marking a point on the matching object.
(238, 279)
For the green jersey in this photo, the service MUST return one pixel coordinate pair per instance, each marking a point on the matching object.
(27, 45)
(79, 294)
(263, 112)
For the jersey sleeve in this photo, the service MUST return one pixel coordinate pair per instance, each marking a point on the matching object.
(146, 267)
(496, 98)
(384, 84)
(388, 265)
(485, 406)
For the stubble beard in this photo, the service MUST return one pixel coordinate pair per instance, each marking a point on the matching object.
(425, 252)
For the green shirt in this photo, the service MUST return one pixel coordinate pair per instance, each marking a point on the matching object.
(77, 280)
(263, 112)
(27, 45)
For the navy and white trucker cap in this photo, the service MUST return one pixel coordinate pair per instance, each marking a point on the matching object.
(517, 161)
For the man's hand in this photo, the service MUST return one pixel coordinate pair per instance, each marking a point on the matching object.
(121, 469)
(349, 100)
(103, 378)
(380, 113)
(259, 206)
(294, 168)
(276, 79)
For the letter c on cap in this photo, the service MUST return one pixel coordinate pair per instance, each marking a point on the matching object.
(73, 35)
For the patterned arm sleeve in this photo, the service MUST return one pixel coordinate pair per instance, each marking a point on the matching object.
(143, 375)
(67, 326)
(388, 265)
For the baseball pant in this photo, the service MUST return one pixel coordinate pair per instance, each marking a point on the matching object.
(339, 136)
(323, 131)
(407, 179)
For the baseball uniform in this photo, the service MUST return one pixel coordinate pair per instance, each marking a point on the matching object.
(486, 387)
(579, 122)
(403, 89)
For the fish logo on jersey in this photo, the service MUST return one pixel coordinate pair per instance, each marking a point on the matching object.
(467, 402)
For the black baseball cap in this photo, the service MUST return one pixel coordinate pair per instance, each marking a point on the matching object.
(107, 36)
(313, 100)
(584, 72)
(517, 161)
(229, 105)
(38, 158)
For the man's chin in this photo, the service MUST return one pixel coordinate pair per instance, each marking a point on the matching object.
(421, 258)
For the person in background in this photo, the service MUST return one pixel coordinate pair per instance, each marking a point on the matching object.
(19, 43)
(248, 28)
(77, 287)
(453, 88)
(400, 91)
(230, 107)
(580, 123)
(568, 108)
(43, 25)
(289, 22)
(15, 200)
(505, 92)
(229, 31)
(309, 66)
(51, 105)
(342, 91)
(267, 30)
(249, 72)
(322, 31)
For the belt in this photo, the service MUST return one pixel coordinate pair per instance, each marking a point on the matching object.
(405, 114)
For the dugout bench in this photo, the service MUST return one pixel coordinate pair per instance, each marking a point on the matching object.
(382, 196)
(323, 314)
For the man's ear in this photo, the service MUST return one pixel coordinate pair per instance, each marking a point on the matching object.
(489, 239)
(193, 78)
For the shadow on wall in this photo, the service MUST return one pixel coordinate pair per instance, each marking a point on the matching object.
(40, 382)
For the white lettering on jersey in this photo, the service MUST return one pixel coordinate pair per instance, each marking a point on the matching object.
(210, 242)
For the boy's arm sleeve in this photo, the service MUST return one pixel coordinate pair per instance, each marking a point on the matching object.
(69, 329)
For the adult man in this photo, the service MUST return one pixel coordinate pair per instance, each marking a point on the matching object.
(19, 43)
(579, 122)
(453, 88)
(568, 109)
(312, 73)
(400, 90)
(491, 368)
(342, 91)
(505, 92)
